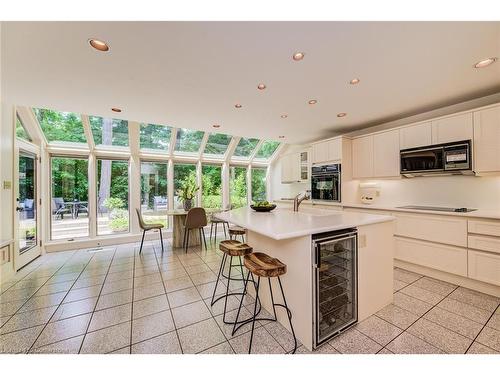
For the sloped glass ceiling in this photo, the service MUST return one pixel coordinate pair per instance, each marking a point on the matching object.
(217, 144)
(155, 137)
(68, 127)
(60, 126)
(188, 140)
(267, 149)
(109, 131)
(21, 132)
(245, 147)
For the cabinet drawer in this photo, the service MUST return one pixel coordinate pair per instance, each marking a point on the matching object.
(440, 257)
(487, 227)
(484, 267)
(484, 243)
(444, 229)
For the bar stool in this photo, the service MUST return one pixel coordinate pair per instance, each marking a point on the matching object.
(262, 265)
(230, 248)
(215, 222)
(237, 231)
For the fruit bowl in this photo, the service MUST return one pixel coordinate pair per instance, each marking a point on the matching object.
(263, 208)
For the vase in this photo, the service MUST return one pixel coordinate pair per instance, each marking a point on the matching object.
(188, 204)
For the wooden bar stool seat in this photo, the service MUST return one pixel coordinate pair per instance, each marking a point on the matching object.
(237, 231)
(235, 248)
(261, 264)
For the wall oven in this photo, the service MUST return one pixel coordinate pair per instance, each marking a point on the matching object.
(325, 183)
(447, 158)
(335, 283)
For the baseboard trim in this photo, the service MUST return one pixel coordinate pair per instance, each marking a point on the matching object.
(448, 277)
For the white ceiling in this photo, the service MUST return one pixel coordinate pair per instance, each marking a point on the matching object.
(190, 74)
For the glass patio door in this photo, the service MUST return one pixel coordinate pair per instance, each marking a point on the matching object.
(27, 210)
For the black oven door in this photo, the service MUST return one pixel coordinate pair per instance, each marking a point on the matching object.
(424, 160)
(326, 187)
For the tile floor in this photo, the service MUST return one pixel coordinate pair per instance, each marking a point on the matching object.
(117, 301)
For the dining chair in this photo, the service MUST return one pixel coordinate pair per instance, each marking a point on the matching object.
(196, 218)
(145, 227)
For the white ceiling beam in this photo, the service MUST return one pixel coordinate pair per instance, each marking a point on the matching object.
(88, 132)
(31, 125)
(230, 149)
(254, 152)
(203, 144)
(173, 137)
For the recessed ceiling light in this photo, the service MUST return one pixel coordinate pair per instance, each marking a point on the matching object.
(216, 126)
(116, 110)
(341, 114)
(284, 116)
(354, 81)
(261, 86)
(312, 101)
(238, 105)
(99, 45)
(281, 136)
(297, 56)
(486, 62)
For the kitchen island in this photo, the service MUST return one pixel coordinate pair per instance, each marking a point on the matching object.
(300, 240)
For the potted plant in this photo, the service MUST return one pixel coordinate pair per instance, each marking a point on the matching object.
(187, 193)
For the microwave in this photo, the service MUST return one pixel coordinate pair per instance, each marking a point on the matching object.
(446, 158)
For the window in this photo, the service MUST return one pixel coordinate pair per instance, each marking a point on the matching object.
(112, 196)
(267, 149)
(21, 133)
(154, 201)
(211, 186)
(217, 145)
(109, 131)
(245, 147)
(69, 200)
(155, 137)
(188, 140)
(238, 186)
(184, 177)
(259, 184)
(60, 126)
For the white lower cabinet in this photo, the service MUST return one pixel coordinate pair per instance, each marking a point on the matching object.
(445, 258)
(437, 228)
(485, 243)
(484, 267)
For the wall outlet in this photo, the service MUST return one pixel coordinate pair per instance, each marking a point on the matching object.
(7, 185)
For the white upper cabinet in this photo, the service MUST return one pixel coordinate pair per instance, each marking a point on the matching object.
(327, 151)
(386, 154)
(415, 136)
(487, 140)
(362, 157)
(291, 168)
(452, 129)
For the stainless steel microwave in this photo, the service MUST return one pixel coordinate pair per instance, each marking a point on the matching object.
(446, 158)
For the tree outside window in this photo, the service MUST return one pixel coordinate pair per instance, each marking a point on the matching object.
(211, 186)
(238, 186)
(259, 184)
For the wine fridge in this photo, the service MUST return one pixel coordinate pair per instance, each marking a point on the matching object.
(335, 283)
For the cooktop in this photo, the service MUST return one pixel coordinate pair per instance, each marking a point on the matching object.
(445, 209)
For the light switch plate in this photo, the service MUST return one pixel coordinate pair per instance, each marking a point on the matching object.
(7, 185)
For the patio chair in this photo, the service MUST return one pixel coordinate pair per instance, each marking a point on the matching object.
(29, 208)
(145, 227)
(159, 203)
(59, 207)
(82, 208)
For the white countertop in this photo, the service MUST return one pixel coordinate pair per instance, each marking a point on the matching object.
(484, 214)
(283, 223)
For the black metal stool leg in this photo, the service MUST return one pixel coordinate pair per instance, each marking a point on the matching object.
(254, 314)
(289, 314)
(211, 228)
(227, 289)
(224, 227)
(223, 261)
(161, 240)
(187, 240)
(272, 298)
(241, 304)
(142, 241)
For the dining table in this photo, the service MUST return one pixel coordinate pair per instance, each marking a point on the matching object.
(179, 217)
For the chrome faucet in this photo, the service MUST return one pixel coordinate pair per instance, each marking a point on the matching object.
(297, 201)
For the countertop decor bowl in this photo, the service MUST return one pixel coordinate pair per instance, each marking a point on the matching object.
(263, 209)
